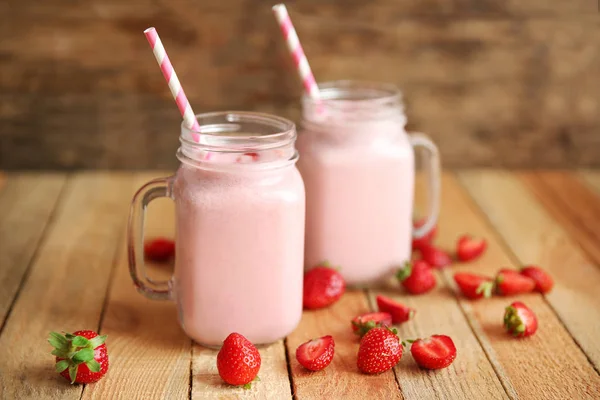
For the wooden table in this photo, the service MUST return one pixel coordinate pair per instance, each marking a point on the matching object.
(63, 266)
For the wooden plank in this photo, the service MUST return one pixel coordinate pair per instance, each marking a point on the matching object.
(341, 379)
(572, 204)
(150, 354)
(592, 178)
(515, 359)
(536, 238)
(26, 204)
(66, 286)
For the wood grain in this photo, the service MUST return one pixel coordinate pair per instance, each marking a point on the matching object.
(26, 204)
(592, 178)
(150, 355)
(528, 365)
(66, 286)
(341, 379)
(534, 237)
(494, 83)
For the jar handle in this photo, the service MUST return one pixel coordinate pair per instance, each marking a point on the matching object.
(433, 179)
(156, 290)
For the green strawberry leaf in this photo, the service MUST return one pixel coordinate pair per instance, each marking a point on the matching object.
(57, 340)
(80, 341)
(83, 355)
(60, 353)
(247, 386)
(61, 366)
(97, 341)
(69, 336)
(73, 372)
(93, 365)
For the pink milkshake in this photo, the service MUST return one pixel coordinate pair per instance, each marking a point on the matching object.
(358, 167)
(239, 203)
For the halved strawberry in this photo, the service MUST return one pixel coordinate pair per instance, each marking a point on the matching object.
(399, 312)
(316, 354)
(474, 286)
(509, 282)
(365, 322)
(435, 352)
(468, 248)
(426, 239)
(323, 286)
(543, 282)
(417, 278)
(435, 257)
(519, 320)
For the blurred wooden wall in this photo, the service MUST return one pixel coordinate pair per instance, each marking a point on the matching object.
(495, 82)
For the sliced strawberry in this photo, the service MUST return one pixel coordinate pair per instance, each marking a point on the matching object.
(379, 351)
(316, 354)
(519, 320)
(417, 278)
(159, 249)
(238, 361)
(426, 239)
(365, 322)
(399, 312)
(435, 257)
(435, 352)
(468, 248)
(474, 286)
(323, 286)
(510, 282)
(543, 282)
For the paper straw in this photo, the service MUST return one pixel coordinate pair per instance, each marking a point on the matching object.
(293, 43)
(189, 118)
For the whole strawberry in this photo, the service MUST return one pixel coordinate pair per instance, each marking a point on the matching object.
(519, 320)
(474, 286)
(435, 257)
(417, 278)
(159, 249)
(365, 322)
(509, 282)
(238, 361)
(399, 312)
(323, 286)
(469, 248)
(81, 357)
(316, 354)
(543, 282)
(379, 351)
(425, 240)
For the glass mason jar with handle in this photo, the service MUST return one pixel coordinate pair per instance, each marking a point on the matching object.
(358, 166)
(239, 204)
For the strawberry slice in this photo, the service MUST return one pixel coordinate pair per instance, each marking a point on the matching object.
(159, 249)
(434, 352)
(474, 286)
(416, 278)
(425, 240)
(365, 322)
(519, 320)
(469, 248)
(323, 286)
(510, 282)
(316, 354)
(399, 312)
(543, 282)
(435, 257)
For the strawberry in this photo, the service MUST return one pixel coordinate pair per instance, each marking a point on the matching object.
(379, 351)
(81, 357)
(510, 282)
(434, 352)
(474, 286)
(543, 281)
(416, 278)
(238, 361)
(323, 286)
(424, 240)
(316, 354)
(399, 312)
(468, 248)
(159, 249)
(435, 257)
(365, 322)
(519, 320)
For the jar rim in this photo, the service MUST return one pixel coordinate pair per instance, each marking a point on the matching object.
(356, 91)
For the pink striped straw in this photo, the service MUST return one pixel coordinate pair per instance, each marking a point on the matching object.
(189, 118)
(293, 43)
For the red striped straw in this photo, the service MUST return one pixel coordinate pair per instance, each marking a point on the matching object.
(293, 43)
(189, 118)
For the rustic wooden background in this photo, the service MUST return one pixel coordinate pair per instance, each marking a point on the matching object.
(495, 82)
